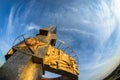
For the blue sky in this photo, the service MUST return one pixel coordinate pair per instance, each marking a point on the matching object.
(91, 27)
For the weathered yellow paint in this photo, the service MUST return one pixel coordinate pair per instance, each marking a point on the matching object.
(58, 59)
(52, 57)
(30, 71)
(10, 52)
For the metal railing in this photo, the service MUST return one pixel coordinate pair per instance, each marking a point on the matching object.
(59, 45)
(67, 49)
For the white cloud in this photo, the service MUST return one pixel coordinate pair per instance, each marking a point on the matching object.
(109, 67)
(115, 7)
(10, 22)
(31, 27)
(28, 9)
(80, 32)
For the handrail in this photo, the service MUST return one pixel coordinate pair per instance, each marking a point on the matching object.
(61, 45)
(22, 35)
(67, 47)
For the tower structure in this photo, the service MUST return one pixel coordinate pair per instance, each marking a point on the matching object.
(30, 58)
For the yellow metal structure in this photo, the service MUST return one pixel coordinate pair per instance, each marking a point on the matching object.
(58, 59)
(42, 53)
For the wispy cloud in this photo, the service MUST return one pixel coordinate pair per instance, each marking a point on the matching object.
(31, 26)
(87, 25)
(80, 32)
(10, 22)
